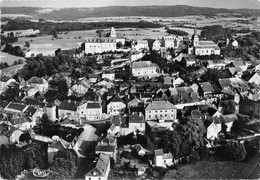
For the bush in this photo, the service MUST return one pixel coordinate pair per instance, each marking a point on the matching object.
(233, 151)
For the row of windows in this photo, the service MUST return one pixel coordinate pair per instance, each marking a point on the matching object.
(162, 111)
(156, 116)
(107, 45)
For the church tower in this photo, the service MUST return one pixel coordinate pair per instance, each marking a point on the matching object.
(195, 38)
(113, 32)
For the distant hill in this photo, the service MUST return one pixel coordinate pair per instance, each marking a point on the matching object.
(159, 11)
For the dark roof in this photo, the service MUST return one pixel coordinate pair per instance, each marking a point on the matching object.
(90, 96)
(5, 78)
(71, 106)
(3, 104)
(33, 102)
(19, 120)
(158, 152)
(116, 98)
(101, 166)
(60, 144)
(16, 106)
(36, 80)
(206, 87)
(93, 105)
(136, 118)
(50, 104)
(102, 148)
(196, 114)
(30, 111)
(229, 118)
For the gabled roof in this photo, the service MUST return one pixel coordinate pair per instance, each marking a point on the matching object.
(158, 152)
(116, 98)
(92, 105)
(16, 106)
(143, 64)
(37, 80)
(69, 105)
(167, 156)
(102, 148)
(206, 87)
(33, 102)
(60, 144)
(229, 118)
(101, 166)
(160, 105)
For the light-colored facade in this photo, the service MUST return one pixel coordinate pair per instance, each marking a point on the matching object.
(99, 45)
(109, 75)
(144, 68)
(91, 111)
(156, 45)
(39, 83)
(116, 108)
(202, 48)
(141, 44)
(160, 110)
(171, 41)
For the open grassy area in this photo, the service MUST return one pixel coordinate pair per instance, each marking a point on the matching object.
(211, 170)
(5, 57)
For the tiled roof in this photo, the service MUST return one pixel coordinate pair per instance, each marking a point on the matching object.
(5, 78)
(143, 64)
(93, 105)
(30, 111)
(229, 118)
(71, 106)
(16, 106)
(160, 105)
(207, 43)
(19, 120)
(167, 156)
(158, 152)
(101, 166)
(33, 102)
(116, 98)
(206, 87)
(60, 144)
(3, 104)
(116, 120)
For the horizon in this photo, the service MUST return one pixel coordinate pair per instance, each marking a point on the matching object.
(225, 4)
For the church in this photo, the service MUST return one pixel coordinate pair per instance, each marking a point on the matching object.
(202, 48)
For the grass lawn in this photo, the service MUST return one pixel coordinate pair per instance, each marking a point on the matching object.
(8, 58)
(211, 170)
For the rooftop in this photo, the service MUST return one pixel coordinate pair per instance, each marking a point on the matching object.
(143, 64)
(160, 105)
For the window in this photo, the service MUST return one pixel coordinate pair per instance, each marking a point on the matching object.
(156, 111)
(161, 111)
(160, 115)
(165, 115)
(89, 178)
(149, 116)
(172, 110)
(165, 110)
(149, 111)
(155, 116)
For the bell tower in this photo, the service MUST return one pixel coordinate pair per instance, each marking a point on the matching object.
(195, 38)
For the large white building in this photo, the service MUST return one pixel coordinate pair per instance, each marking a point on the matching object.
(162, 110)
(156, 45)
(202, 48)
(140, 44)
(99, 44)
(119, 37)
(171, 41)
(144, 68)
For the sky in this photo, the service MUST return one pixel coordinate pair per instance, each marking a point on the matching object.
(230, 4)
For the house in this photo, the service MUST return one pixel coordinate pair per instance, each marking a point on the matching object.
(133, 103)
(93, 78)
(108, 75)
(202, 48)
(135, 55)
(91, 111)
(6, 134)
(171, 41)
(205, 89)
(116, 106)
(213, 129)
(105, 83)
(50, 110)
(4, 82)
(101, 170)
(21, 122)
(255, 78)
(39, 83)
(160, 110)
(136, 122)
(108, 146)
(239, 63)
(140, 150)
(216, 64)
(80, 88)
(68, 109)
(177, 82)
(141, 44)
(228, 120)
(162, 159)
(54, 147)
(99, 44)
(15, 108)
(144, 68)
(156, 45)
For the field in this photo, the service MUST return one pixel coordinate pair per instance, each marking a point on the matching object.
(211, 170)
(73, 39)
(8, 58)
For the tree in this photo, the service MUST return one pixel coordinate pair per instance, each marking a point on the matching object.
(64, 165)
(170, 142)
(191, 132)
(27, 44)
(234, 151)
(119, 44)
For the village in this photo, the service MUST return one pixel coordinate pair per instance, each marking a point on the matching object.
(137, 117)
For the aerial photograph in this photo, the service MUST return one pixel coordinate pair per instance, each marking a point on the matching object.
(130, 89)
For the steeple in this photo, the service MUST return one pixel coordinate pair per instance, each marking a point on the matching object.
(195, 37)
(113, 32)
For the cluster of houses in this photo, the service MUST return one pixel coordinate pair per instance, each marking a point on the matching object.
(146, 105)
(102, 44)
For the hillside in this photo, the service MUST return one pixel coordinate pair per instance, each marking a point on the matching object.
(154, 11)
